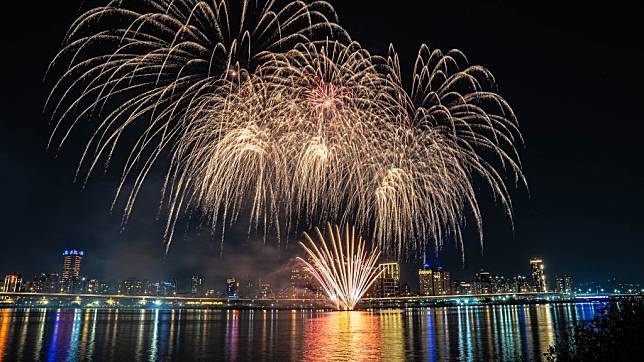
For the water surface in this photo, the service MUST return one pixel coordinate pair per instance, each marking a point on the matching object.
(467, 333)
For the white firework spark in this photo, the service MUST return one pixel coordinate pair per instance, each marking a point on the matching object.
(341, 264)
(276, 113)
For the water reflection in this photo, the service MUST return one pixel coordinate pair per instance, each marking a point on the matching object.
(347, 336)
(4, 331)
(468, 333)
(232, 334)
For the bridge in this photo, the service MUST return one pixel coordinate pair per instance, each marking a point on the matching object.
(85, 300)
(29, 299)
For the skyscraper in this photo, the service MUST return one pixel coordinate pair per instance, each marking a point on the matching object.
(232, 288)
(130, 287)
(301, 283)
(564, 284)
(12, 283)
(483, 282)
(71, 270)
(442, 282)
(502, 285)
(461, 287)
(389, 279)
(426, 280)
(93, 286)
(46, 283)
(520, 284)
(197, 285)
(434, 281)
(538, 276)
(264, 288)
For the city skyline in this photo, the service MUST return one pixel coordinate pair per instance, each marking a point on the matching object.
(295, 281)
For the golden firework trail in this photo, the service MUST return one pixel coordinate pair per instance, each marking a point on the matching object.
(269, 109)
(341, 264)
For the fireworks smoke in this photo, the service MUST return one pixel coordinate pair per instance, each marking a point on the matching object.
(341, 264)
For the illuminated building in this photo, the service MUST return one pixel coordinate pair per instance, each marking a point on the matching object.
(167, 288)
(564, 284)
(442, 282)
(197, 285)
(538, 276)
(232, 288)
(463, 288)
(301, 282)
(520, 284)
(70, 279)
(12, 283)
(264, 289)
(502, 285)
(95, 286)
(45, 283)
(426, 280)
(131, 287)
(483, 282)
(92, 286)
(389, 280)
(434, 282)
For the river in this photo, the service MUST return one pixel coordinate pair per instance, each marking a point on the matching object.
(466, 333)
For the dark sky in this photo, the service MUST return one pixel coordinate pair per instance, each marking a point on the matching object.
(572, 74)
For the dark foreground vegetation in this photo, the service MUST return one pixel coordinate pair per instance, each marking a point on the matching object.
(615, 334)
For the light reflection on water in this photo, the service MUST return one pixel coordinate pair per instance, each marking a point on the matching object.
(467, 333)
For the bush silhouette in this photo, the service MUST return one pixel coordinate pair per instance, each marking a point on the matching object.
(616, 333)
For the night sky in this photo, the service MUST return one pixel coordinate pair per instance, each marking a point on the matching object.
(572, 75)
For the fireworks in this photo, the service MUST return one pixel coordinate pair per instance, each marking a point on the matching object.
(269, 109)
(342, 266)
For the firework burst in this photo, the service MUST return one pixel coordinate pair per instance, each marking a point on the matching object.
(144, 65)
(341, 264)
(269, 109)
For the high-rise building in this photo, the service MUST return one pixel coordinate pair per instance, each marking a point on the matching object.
(461, 287)
(483, 282)
(167, 288)
(46, 283)
(133, 287)
(538, 276)
(434, 282)
(232, 288)
(197, 285)
(564, 284)
(302, 284)
(442, 282)
(70, 279)
(389, 280)
(12, 283)
(520, 284)
(264, 289)
(93, 286)
(426, 280)
(500, 284)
